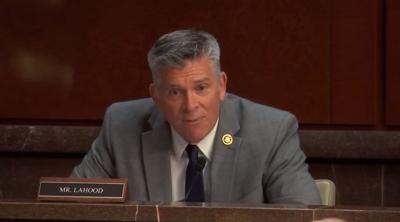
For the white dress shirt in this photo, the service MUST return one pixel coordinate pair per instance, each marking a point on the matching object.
(180, 160)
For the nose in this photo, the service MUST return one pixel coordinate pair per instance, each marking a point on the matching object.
(191, 102)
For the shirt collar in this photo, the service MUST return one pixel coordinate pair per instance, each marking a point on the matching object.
(205, 145)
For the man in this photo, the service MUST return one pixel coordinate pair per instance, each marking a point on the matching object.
(250, 152)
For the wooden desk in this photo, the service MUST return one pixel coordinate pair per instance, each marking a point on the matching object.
(365, 165)
(15, 210)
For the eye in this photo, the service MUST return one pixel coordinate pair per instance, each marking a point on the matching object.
(173, 92)
(201, 87)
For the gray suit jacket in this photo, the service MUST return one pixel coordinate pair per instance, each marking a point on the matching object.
(264, 164)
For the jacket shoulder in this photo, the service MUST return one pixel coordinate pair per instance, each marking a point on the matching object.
(124, 106)
(129, 111)
(252, 110)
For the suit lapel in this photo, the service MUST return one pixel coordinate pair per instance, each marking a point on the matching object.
(224, 156)
(156, 147)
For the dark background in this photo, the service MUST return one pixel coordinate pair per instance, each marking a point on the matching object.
(330, 62)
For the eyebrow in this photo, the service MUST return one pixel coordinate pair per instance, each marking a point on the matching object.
(173, 85)
(205, 79)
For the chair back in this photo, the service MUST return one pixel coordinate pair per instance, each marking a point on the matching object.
(327, 190)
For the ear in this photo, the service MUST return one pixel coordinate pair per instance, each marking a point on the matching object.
(153, 92)
(223, 79)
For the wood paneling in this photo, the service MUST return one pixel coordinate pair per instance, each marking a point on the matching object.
(70, 59)
(393, 62)
(323, 60)
(279, 55)
(355, 61)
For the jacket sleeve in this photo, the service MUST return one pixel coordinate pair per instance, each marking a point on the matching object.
(99, 161)
(287, 179)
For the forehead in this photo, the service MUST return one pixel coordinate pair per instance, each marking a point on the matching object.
(199, 68)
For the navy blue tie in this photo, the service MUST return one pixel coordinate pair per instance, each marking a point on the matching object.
(194, 187)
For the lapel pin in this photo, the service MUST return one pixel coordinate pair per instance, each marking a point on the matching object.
(227, 139)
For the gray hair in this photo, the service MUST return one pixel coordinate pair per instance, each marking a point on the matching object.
(174, 49)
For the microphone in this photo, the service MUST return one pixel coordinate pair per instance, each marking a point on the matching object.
(201, 163)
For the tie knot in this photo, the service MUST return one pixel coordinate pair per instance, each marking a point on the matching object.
(192, 151)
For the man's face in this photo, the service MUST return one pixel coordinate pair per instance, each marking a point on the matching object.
(190, 98)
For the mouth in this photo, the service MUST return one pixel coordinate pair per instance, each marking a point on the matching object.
(192, 121)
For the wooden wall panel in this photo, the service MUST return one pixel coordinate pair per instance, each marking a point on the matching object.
(355, 61)
(320, 59)
(70, 59)
(393, 62)
(284, 59)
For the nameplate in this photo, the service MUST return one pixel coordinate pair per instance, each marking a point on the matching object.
(82, 189)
